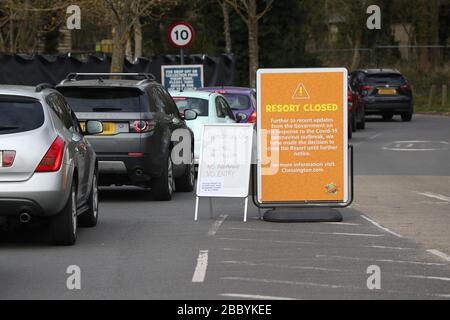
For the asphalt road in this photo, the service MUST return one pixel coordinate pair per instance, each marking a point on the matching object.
(144, 249)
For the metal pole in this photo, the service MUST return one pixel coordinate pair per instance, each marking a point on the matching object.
(182, 56)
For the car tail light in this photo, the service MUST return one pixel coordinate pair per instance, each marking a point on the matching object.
(221, 91)
(136, 154)
(350, 100)
(52, 160)
(406, 86)
(8, 158)
(366, 88)
(141, 126)
(252, 118)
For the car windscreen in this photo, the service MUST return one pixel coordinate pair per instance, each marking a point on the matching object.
(18, 114)
(385, 78)
(238, 101)
(197, 104)
(103, 99)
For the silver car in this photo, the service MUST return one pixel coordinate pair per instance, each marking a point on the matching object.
(47, 168)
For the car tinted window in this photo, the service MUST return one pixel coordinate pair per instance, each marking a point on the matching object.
(238, 101)
(381, 78)
(200, 106)
(170, 106)
(58, 105)
(103, 99)
(226, 108)
(19, 114)
(159, 100)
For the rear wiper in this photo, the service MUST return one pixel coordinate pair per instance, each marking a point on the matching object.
(8, 128)
(100, 109)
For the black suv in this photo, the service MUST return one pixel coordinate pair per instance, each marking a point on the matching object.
(383, 92)
(139, 117)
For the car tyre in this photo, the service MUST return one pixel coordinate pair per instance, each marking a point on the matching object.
(354, 122)
(89, 218)
(186, 182)
(64, 225)
(407, 116)
(361, 125)
(163, 186)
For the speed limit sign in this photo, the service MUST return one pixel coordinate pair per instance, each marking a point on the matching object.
(181, 34)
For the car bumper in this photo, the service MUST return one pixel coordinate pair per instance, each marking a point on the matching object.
(44, 194)
(388, 105)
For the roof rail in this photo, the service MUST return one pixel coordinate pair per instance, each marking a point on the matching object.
(43, 86)
(100, 76)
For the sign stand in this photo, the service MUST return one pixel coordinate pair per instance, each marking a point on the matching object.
(303, 212)
(211, 212)
(225, 158)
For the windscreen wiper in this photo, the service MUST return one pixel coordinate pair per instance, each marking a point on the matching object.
(8, 128)
(105, 109)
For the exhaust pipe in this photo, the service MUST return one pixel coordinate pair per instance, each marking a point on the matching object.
(139, 172)
(24, 217)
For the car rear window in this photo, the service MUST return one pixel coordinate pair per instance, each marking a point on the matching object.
(103, 99)
(385, 78)
(238, 101)
(197, 104)
(19, 114)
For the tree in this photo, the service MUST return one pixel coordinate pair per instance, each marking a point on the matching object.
(226, 24)
(248, 11)
(125, 14)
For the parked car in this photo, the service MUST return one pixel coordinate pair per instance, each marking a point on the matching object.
(47, 167)
(356, 111)
(383, 92)
(139, 117)
(242, 101)
(210, 108)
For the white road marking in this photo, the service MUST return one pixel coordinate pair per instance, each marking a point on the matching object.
(440, 254)
(216, 225)
(381, 227)
(391, 248)
(375, 136)
(264, 240)
(253, 296)
(202, 265)
(380, 260)
(434, 196)
(311, 232)
(296, 283)
(426, 277)
(271, 265)
(342, 223)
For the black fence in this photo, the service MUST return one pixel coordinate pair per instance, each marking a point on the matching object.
(24, 69)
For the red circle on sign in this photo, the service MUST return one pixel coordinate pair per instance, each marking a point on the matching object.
(181, 34)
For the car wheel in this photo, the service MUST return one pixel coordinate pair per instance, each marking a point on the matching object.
(186, 182)
(163, 186)
(407, 116)
(64, 225)
(354, 123)
(89, 218)
(362, 123)
(388, 116)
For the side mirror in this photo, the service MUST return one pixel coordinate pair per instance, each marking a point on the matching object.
(190, 114)
(94, 127)
(241, 117)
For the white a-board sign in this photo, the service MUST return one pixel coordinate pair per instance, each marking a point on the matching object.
(224, 164)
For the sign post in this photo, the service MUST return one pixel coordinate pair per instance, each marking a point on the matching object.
(224, 164)
(181, 35)
(303, 154)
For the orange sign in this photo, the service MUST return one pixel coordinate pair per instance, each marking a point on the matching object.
(302, 135)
